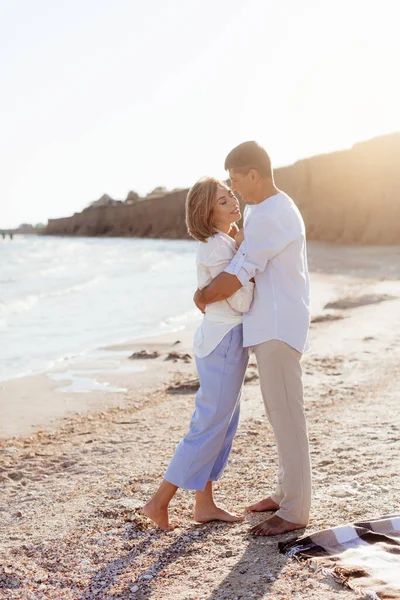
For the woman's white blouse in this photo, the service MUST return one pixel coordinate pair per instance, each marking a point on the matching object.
(213, 256)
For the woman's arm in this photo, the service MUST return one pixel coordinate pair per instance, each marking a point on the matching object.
(223, 285)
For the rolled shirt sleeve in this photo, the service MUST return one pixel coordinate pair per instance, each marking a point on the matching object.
(265, 237)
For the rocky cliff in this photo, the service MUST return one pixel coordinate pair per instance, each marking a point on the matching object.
(351, 196)
(162, 217)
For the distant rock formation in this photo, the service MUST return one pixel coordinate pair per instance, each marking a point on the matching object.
(27, 228)
(105, 200)
(24, 229)
(159, 217)
(351, 196)
(132, 197)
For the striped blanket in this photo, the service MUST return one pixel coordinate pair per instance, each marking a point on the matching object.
(362, 556)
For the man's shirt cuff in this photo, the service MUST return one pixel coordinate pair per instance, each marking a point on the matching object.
(236, 267)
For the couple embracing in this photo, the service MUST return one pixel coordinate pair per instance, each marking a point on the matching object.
(254, 292)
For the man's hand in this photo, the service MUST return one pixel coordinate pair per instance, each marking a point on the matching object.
(239, 237)
(223, 286)
(199, 301)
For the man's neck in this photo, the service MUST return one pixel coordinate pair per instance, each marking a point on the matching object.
(266, 191)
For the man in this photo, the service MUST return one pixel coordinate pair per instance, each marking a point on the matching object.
(274, 253)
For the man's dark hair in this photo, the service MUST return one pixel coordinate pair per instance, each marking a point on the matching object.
(249, 155)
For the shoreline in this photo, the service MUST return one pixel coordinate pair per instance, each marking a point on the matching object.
(106, 378)
(38, 402)
(89, 354)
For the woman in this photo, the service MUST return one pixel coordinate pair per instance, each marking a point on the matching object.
(211, 214)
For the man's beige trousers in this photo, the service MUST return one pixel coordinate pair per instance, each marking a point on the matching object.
(282, 390)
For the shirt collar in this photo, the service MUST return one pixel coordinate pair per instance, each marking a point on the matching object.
(225, 235)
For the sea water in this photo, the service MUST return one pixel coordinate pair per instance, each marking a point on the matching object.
(63, 297)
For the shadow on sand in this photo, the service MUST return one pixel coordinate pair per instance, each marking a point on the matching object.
(252, 575)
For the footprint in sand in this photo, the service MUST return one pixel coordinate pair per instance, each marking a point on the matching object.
(330, 365)
(16, 475)
(326, 318)
(356, 301)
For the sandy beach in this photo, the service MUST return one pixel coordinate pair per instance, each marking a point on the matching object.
(75, 468)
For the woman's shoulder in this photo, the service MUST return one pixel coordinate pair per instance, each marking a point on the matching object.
(219, 242)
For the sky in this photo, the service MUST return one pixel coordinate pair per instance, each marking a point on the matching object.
(108, 96)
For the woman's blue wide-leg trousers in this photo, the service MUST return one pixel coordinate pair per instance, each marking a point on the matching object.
(203, 453)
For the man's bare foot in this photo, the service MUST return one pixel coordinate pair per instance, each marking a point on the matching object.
(275, 526)
(214, 513)
(159, 515)
(263, 505)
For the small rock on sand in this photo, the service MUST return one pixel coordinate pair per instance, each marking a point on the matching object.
(131, 503)
(144, 354)
(175, 356)
(251, 377)
(184, 387)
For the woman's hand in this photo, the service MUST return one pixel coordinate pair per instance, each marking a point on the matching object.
(233, 230)
(239, 237)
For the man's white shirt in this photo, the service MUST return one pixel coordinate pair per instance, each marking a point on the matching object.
(274, 253)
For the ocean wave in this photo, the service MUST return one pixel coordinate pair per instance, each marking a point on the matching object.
(161, 265)
(47, 271)
(77, 287)
(184, 317)
(18, 306)
(24, 304)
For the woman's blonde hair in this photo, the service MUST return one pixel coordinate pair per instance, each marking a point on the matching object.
(199, 205)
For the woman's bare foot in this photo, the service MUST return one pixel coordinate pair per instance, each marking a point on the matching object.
(214, 513)
(275, 526)
(158, 514)
(263, 505)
